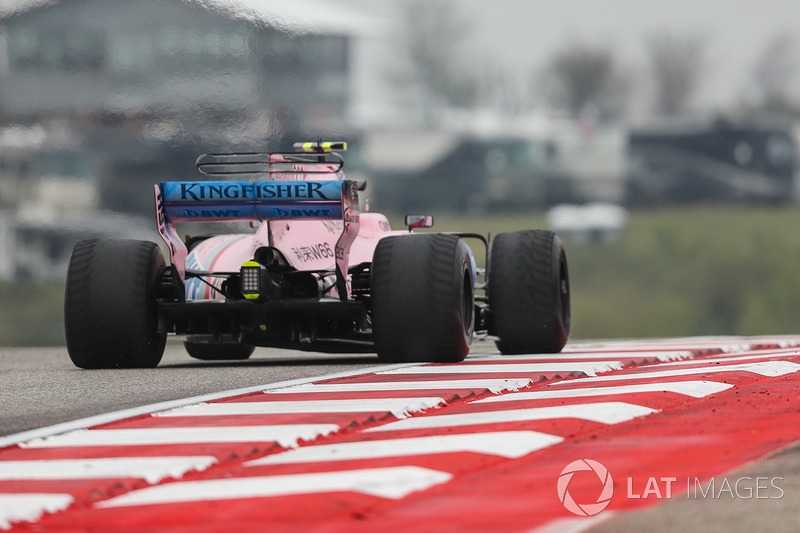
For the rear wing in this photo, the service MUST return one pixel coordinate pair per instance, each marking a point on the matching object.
(220, 201)
(311, 160)
(225, 201)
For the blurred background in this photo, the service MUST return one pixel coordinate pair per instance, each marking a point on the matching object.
(658, 138)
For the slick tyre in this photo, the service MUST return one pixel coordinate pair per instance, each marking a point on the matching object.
(529, 297)
(217, 351)
(423, 298)
(110, 313)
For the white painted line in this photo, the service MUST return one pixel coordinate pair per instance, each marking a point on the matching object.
(391, 483)
(754, 356)
(115, 416)
(763, 368)
(399, 407)
(30, 507)
(493, 385)
(701, 340)
(696, 389)
(586, 356)
(285, 435)
(589, 368)
(510, 444)
(574, 525)
(723, 343)
(151, 469)
(603, 412)
(634, 346)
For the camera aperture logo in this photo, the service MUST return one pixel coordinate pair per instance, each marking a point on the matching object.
(585, 508)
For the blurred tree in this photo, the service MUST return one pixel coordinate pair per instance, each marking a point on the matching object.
(502, 91)
(773, 73)
(434, 64)
(675, 65)
(583, 77)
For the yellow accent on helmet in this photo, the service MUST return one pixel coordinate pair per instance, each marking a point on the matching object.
(317, 146)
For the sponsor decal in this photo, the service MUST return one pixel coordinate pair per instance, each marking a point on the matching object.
(340, 256)
(266, 200)
(351, 192)
(186, 213)
(211, 213)
(253, 191)
(160, 206)
(314, 252)
(333, 226)
(305, 212)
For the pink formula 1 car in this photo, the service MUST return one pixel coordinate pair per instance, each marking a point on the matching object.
(312, 273)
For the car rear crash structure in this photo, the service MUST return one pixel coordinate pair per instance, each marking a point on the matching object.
(312, 273)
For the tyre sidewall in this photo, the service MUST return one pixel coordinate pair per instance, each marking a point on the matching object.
(111, 314)
(419, 289)
(529, 311)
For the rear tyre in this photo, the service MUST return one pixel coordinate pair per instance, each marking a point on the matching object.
(423, 298)
(217, 351)
(529, 296)
(110, 309)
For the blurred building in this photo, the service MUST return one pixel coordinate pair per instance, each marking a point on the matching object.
(107, 60)
(714, 160)
(462, 172)
(502, 170)
(99, 99)
(146, 83)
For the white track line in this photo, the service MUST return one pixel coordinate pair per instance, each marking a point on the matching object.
(493, 385)
(729, 358)
(721, 342)
(696, 389)
(589, 368)
(151, 469)
(575, 525)
(30, 507)
(391, 483)
(603, 412)
(399, 407)
(285, 435)
(586, 356)
(763, 368)
(510, 444)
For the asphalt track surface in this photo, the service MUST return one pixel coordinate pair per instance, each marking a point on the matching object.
(40, 387)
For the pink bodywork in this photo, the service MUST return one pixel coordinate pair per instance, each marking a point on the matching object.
(307, 245)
